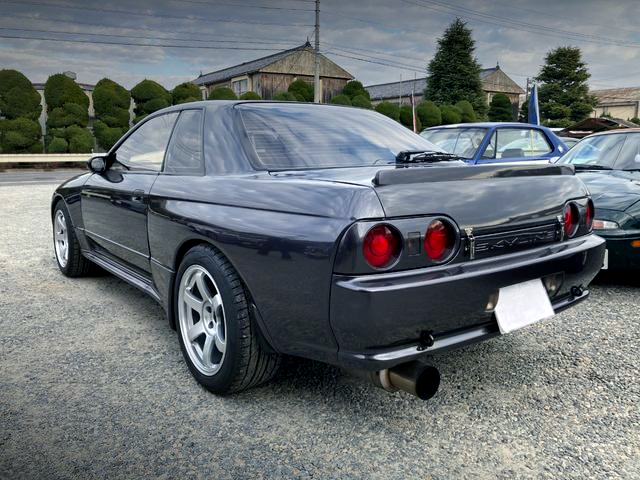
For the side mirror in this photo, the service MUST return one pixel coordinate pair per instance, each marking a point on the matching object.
(97, 164)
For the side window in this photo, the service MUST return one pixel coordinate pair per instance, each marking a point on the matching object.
(145, 147)
(490, 149)
(184, 154)
(517, 142)
(629, 158)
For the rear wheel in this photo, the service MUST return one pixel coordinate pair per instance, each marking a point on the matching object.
(65, 244)
(219, 340)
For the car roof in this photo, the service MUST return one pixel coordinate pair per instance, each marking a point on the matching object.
(614, 132)
(487, 125)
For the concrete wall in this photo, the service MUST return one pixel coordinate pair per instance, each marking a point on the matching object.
(45, 158)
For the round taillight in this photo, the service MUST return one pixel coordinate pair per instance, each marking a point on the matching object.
(571, 218)
(439, 240)
(381, 246)
(589, 215)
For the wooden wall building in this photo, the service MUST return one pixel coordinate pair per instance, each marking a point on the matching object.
(273, 74)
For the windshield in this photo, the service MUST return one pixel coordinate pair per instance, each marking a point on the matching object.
(464, 142)
(600, 150)
(296, 136)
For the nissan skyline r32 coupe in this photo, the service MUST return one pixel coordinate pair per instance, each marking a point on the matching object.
(325, 232)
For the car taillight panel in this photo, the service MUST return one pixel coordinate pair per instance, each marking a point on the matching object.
(382, 246)
(439, 240)
(571, 219)
(589, 215)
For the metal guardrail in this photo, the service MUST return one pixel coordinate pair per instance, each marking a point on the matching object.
(43, 160)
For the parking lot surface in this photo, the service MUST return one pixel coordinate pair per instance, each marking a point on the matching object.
(93, 385)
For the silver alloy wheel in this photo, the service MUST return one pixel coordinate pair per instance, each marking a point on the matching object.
(61, 238)
(202, 320)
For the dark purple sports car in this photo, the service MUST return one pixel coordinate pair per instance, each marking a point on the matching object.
(326, 232)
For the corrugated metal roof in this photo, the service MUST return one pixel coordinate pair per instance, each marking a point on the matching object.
(404, 88)
(247, 67)
(630, 94)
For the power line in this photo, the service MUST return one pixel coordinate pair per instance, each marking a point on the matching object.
(156, 15)
(372, 61)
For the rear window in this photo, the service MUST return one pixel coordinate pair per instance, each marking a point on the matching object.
(299, 136)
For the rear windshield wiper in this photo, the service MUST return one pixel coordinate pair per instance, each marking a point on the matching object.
(416, 156)
(584, 166)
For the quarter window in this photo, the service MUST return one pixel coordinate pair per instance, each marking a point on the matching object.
(184, 155)
(145, 147)
(517, 142)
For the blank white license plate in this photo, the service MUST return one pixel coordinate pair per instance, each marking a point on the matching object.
(605, 264)
(522, 304)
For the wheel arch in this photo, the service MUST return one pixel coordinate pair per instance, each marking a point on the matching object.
(254, 312)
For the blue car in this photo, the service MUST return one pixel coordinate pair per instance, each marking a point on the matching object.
(498, 142)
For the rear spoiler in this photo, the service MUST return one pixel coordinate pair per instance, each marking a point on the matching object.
(405, 175)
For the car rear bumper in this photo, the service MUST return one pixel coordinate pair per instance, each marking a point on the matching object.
(383, 320)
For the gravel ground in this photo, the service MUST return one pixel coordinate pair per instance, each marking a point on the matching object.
(93, 385)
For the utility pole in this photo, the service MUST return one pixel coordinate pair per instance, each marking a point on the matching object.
(317, 94)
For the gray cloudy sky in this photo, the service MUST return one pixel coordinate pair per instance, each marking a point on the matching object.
(377, 41)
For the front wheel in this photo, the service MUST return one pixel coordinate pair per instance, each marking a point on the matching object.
(219, 340)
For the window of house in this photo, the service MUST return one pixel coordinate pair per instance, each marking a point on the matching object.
(145, 147)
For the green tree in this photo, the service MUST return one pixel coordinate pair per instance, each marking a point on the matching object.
(250, 96)
(563, 93)
(341, 99)
(186, 92)
(466, 111)
(450, 114)
(20, 135)
(406, 118)
(149, 97)
(391, 110)
(361, 101)
(355, 88)
(500, 109)
(111, 102)
(68, 115)
(222, 93)
(58, 145)
(429, 114)
(18, 98)
(453, 73)
(302, 90)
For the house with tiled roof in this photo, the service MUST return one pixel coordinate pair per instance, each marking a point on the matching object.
(494, 80)
(270, 75)
(621, 103)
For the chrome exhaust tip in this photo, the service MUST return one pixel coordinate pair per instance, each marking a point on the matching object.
(414, 378)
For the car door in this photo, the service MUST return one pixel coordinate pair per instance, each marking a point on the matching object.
(115, 203)
(516, 144)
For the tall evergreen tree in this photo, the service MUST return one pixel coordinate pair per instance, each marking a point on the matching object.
(563, 93)
(453, 73)
(500, 109)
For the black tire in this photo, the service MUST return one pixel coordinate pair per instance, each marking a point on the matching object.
(65, 244)
(219, 340)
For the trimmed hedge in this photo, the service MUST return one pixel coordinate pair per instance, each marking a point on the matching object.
(186, 92)
(222, 93)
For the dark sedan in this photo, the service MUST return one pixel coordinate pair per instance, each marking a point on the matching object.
(609, 164)
(498, 142)
(326, 232)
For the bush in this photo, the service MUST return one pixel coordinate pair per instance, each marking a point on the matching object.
(150, 97)
(450, 114)
(389, 109)
(429, 114)
(80, 140)
(57, 145)
(635, 120)
(302, 90)
(500, 108)
(406, 118)
(250, 96)
(107, 136)
(20, 135)
(467, 114)
(60, 89)
(222, 93)
(69, 114)
(341, 100)
(361, 101)
(285, 96)
(20, 102)
(354, 88)
(186, 92)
